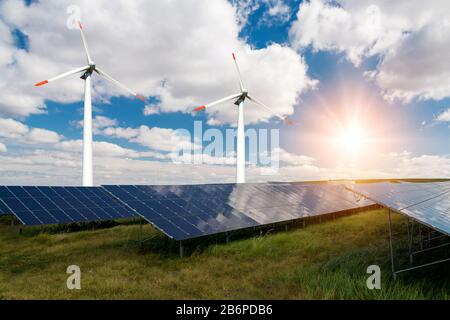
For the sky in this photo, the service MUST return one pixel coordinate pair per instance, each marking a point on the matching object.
(365, 83)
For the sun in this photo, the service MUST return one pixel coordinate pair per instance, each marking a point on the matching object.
(351, 139)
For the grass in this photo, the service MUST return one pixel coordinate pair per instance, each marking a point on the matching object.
(321, 261)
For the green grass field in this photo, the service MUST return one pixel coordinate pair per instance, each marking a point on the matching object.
(321, 261)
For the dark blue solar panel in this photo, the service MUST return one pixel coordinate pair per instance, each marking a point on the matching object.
(184, 212)
(3, 208)
(53, 205)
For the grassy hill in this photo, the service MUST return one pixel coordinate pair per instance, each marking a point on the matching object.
(321, 261)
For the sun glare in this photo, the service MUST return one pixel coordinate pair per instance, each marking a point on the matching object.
(351, 139)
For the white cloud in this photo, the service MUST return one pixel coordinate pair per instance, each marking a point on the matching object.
(291, 158)
(98, 123)
(409, 37)
(121, 133)
(3, 148)
(13, 129)
(274, 11)
(106, 149)
(151, 109)
(181, 60)
(444, 116)
(56, 167)
(278, 10)
(10, 128)
(214, 122)
(155, 138)
(42, 136)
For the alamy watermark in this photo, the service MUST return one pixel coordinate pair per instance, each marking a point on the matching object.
(214, 146)
(74, 279)
(374, 280)
(74, 18)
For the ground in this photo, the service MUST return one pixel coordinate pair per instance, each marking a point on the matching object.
(321, 261)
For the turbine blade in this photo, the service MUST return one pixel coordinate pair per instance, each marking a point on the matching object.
(66, 74)
(238, 71)
(83, 38)
(285, 119)
(234, 96)
(117, 83)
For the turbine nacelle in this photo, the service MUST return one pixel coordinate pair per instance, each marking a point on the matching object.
(242, 97)
(90, 69)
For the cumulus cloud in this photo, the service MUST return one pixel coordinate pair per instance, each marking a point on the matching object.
(42, 136)
(13, 129)
(181, 61)
(155, 138)
(409, 37)
(10, 128)
(51, 159)
(56, 167)
(273, 11)
(444, 116)
(98, 123)
(291, 158)
(106, 149)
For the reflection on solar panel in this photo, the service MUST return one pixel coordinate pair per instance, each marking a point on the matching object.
(428, 203)
(3, 209)
(184, 212)
(50, 205)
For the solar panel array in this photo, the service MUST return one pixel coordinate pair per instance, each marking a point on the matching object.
(53, 205)
(184, 212)
(428, 203)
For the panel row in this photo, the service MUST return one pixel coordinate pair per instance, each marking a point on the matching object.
(428, 203)
(402, 195)
(52, 205)
(184, 212)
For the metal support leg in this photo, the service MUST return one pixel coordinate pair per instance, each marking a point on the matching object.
(391, 249)
(181, 249)
(421, 237)
(286, 227)
(141, 243)
(227, 237)
(411, 239)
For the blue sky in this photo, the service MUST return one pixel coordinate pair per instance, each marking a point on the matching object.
(323, 60)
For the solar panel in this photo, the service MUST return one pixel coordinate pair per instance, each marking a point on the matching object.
(402, 195)
(184, 212)
(428, 203)
(52, 205)
(3, 208)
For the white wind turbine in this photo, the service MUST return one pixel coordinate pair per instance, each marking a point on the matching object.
(239, 101)
(87, 125)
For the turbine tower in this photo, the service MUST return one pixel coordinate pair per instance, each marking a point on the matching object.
(87, 124)
(239, 101)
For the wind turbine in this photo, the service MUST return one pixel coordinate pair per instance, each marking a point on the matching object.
(239, 101)
(87, 125)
